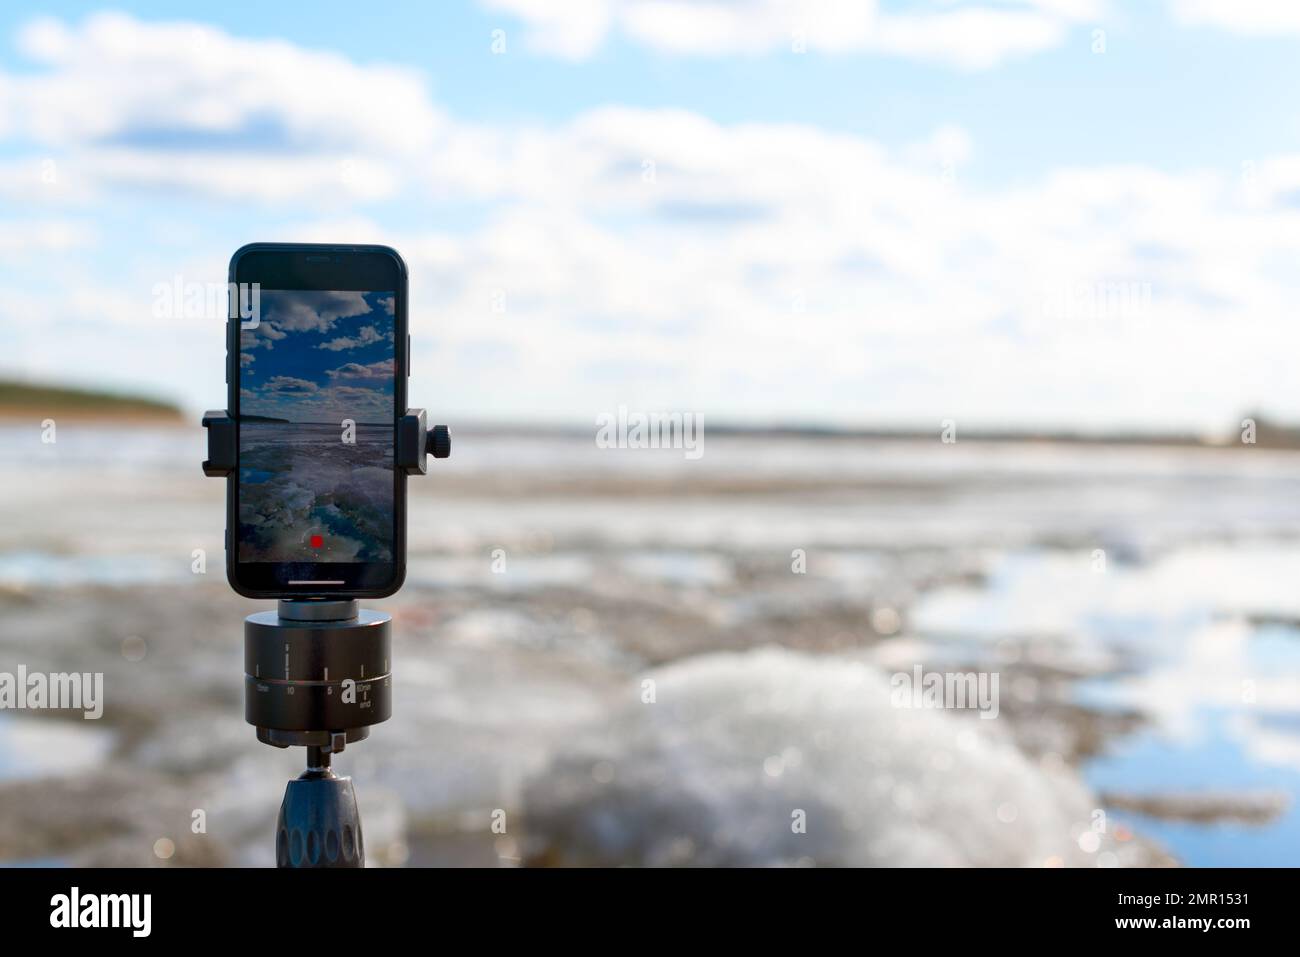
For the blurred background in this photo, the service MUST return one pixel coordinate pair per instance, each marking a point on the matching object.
(984, 307)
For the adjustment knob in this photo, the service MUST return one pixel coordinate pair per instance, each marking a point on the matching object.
(439, 444)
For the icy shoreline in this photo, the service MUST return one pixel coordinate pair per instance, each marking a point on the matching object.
(547, 585)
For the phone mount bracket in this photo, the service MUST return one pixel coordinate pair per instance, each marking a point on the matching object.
(223, 449)
(317, 675)
(415, 441)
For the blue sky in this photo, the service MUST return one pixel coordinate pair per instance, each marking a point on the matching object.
(1154, 96)
(1038, 212)
(319, 357)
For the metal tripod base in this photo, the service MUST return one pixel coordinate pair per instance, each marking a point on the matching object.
(319, 823)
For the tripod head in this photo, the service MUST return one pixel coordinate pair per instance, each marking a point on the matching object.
(317, 675)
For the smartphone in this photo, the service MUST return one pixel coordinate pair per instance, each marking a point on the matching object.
(317, 358)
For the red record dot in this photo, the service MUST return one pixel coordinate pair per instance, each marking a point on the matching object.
(317, 541)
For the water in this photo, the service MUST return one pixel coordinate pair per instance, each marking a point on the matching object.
(548, 577)
(1216, 760)
(37, 746)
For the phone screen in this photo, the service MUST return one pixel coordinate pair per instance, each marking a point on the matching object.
(316, 411)
(316, 491)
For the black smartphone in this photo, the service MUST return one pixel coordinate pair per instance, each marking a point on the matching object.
(317, 359)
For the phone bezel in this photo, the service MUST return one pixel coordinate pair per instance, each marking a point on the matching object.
(350, 267)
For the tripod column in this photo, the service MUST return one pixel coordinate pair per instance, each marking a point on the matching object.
(317, 675)
(319, 824)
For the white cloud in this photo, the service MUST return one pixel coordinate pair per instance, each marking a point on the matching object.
(366, 335)
(289, 385)
(962, 34)
(1247, 17)
(114, 102)
(374, 372)
(246, 175)
(573, 29)
(115, 79)
(44, 236)
(783, 268)
(315, 311)
(756, 270)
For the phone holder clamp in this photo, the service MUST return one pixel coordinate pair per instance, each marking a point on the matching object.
(415, 441)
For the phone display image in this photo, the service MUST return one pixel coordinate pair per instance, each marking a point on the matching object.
(316, 408)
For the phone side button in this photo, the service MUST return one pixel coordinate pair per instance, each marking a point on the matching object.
(408, 355)
(227, 536)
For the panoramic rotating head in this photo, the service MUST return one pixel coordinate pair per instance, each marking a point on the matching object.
(316, 673)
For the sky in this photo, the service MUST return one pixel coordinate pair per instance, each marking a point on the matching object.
(1027, 213)
(319, 356)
